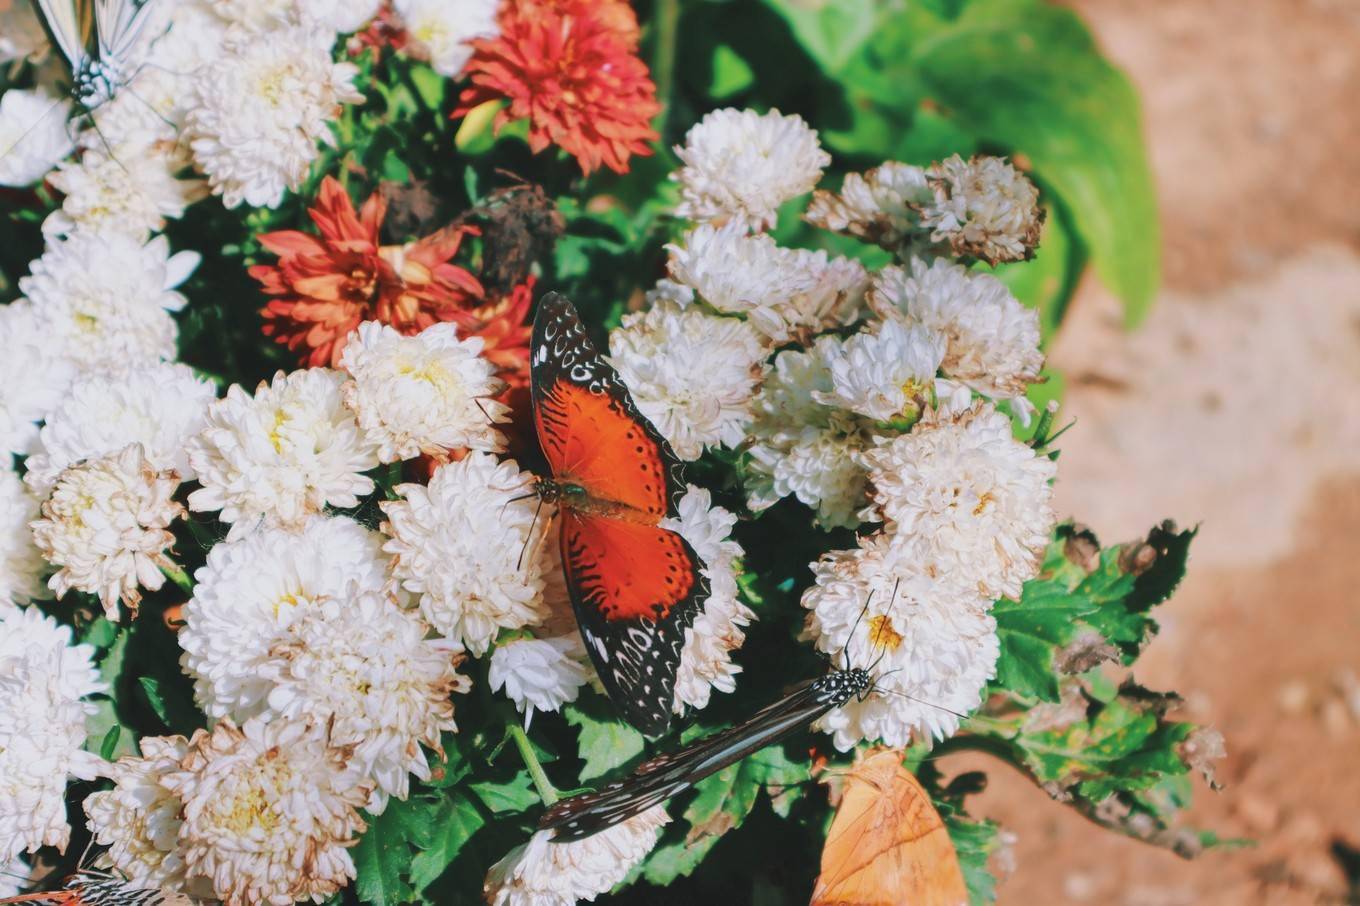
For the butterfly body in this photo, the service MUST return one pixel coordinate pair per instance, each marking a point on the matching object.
(635, 584)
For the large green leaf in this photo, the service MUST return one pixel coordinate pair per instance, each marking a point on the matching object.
(453, 823)
(382, 857)
(831, 32)
(1027, 76)
(605, 744)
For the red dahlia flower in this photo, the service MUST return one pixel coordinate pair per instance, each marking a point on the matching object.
(571, 68)
(504, 327)
(327, 285)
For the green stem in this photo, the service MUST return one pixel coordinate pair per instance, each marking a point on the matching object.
(663, 57)
(178, 576)
(546, 791)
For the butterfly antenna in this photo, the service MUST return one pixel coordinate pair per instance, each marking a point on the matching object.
(147, 104)
(850, 640)
(921, 701)
(530, 537)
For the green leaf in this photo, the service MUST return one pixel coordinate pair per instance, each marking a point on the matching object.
(106, 719)
(1029, 630)
(151, 688)
(832, 32)
(1027, 75)
(515, 795)
(382, 857)
(453, 823)
(603, 744)
(974, 842)
(109, 747)
(429, 84)
(731, 73)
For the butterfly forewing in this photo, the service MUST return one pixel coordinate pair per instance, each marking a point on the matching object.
(97, 889)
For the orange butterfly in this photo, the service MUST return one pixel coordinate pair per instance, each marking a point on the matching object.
(887, 845)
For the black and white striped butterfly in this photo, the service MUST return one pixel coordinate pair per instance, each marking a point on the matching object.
(98, 39)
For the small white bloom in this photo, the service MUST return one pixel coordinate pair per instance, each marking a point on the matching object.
(21, 563)
(717, 631)
(881, 206)
(979, 500)
(259, 110)
(44, 681)
(252, 590)
(269, 812)
(442, 31)
(544, 873)
(428, 393)
(470, 544)
(21, 34)
(132, 192)
(690, 373)
(158, 406)
(34, 133)
(106, 528)
(984, 208)
(33, 381)
(993, 339)
(929, 643)
(786, 293)
(740, 166)
(883, 374)
(542, 674)
(281, 455)
(104, 300)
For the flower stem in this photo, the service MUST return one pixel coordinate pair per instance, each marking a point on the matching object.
(663, 57)
(178, 576)
(546, 791)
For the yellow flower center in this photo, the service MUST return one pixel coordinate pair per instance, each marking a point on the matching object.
(882, 635)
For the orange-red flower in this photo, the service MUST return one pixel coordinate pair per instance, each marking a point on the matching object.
(326, 285)
(571, 68)
(503, 325)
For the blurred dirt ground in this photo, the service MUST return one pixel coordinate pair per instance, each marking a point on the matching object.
(1237, 406)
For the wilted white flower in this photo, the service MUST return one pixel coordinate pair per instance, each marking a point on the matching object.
(993, 339)
(885, 373)
(881, 206)
(104, 300)
(21, 34)
(979, 500)
(928, 641)
(159, 406)
(428, 393)
(542, 674)
(470, 544)
(250, 593)
(33, 381)
(34, 134)
(106, 528)
(282, 454)
(804, 447)
(740, 166)
(21, 563)
(132, 192)
(270, 810)
(442, 31)
(690, 373)
(139, 819)
(259, 110)
(544, 873)
(786, 293)
(717, 631)
(44, 681)
(984, 208)
(363, 667)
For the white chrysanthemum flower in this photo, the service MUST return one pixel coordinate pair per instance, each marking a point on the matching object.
(442, 31)
(270, 810)
(470, 544)
(44, 681)
(259, 110)
(104, 300)
(21, 33)
(979, 500)
(139, 819)
(804, 447)
(542, 674)
(252, 590)
(33, 381)
(881, 206)
(21, 563)
(740, 166)
(106, 527)
(159, 406)
(993, 339)
(717, 631)
(669, 291)
(929, 643)
(363, 667)
(34, 134)
(883, 374)
(544, 873)
(690, 373)
(265, 16)
(281, 455)
(132, 192)
(786, 293)
(428, 393)
(984, 208)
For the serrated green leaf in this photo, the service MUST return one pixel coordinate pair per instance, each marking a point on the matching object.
(382, 857)
(675, 859)
(603, 745)
(453, 823)
(514, 795)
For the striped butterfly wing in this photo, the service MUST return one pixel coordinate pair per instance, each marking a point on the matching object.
(96, 889)
(70, 26)
(119, 24)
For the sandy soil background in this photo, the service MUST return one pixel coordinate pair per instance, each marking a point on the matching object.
(1236, 406)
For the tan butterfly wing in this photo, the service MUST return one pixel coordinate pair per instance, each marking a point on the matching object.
(887, 845)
